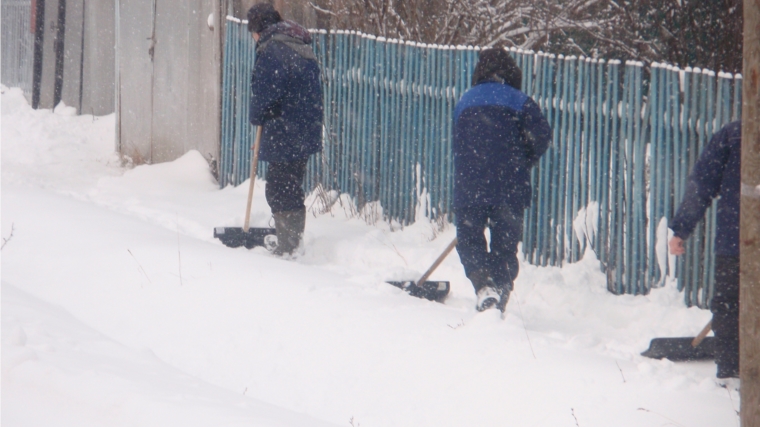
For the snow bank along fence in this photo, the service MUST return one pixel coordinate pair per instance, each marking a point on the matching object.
(625, 137)
(17, 44)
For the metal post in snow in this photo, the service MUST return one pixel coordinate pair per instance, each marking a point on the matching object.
(586, 151)
(680, 159)
(640, 259)
(605, 113)
(655, 185)
(239, 112)
(708, 260)
(226, 149)
(578, 165)
(544, 165)
(557, 148)
(627, 172)
(563, 150)
(573, 159)
(616, 236)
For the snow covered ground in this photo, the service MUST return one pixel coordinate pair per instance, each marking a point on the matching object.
(119, 308)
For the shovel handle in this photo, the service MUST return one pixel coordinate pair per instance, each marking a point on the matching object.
(438, 261)
(706, 330)
(254, 165)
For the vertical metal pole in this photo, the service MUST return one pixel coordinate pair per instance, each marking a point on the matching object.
(655, 182)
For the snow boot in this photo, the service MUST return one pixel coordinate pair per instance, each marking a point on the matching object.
(486, 290)
(504, 298)
(290, 226)
(488, 297)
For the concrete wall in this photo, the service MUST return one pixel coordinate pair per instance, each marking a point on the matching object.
(169, 74)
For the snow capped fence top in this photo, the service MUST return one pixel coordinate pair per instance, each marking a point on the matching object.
(624, 139)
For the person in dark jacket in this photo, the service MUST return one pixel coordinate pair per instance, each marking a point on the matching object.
(717, 173)
(286, 99)
(499, 135)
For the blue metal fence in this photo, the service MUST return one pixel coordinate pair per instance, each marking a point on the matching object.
(624, 139)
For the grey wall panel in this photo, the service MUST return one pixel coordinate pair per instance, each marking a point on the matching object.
(207, 120)
(179, 107)
(134, 78)
(98, 66)
(47, 80)
(185, 85)
(171, 83)
(89, 56)
(72, 54)
(17, 45)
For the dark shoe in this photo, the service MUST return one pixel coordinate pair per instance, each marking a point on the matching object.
(290, 226)
(480, 279)
(488, 297)
(504, 292)
(727, 371)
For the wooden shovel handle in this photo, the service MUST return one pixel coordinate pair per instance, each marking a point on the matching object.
(706, 330)
(438, 261)
(254, 165)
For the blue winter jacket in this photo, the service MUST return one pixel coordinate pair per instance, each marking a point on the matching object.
(717, 172)
(499, 134)
(286, 94)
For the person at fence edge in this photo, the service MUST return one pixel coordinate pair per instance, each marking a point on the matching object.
(499, 135)
(717, 173)
(286, 99)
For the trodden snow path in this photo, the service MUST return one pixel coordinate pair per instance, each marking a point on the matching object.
(119, 308)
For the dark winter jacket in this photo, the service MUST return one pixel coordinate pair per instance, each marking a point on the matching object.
(286, 94)
(499, 134)
(717, 172)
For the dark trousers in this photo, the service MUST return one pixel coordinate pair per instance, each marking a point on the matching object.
(284, 189)
(500, 263)
(725, 310)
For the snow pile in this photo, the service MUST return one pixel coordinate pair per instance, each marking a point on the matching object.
(119, 308)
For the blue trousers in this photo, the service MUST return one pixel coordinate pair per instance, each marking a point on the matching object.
(500, 262)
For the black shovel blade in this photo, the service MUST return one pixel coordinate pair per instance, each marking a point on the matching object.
(430, 290)
(680, 349)
(235, 237)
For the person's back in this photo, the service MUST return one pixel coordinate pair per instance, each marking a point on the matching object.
(287, 93)
(499, 134)
(717, 173)
(286, 101)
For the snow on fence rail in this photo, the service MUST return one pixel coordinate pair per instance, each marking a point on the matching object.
(625, 137)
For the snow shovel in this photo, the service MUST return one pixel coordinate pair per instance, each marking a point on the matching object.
(683, 349)
(249, 237)
(428, 289)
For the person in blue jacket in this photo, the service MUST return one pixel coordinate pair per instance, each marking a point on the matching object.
(499, 135)
(286, 99)
(717, 173)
